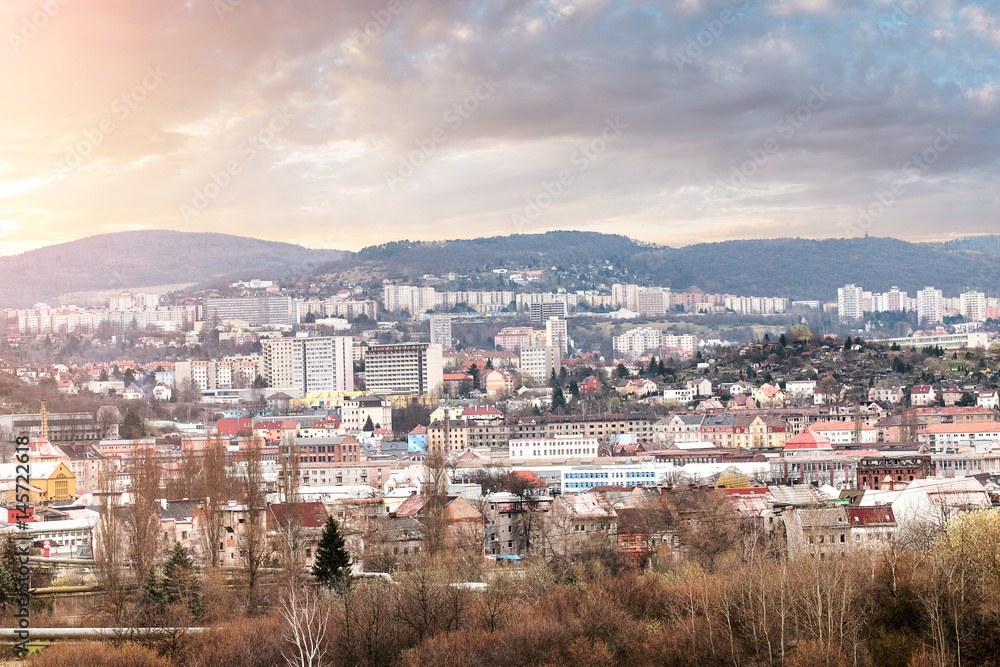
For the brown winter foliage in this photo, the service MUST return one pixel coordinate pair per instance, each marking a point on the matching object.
(892, 607)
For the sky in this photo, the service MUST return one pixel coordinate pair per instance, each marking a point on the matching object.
(342, 124)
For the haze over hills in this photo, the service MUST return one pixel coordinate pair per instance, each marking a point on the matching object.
(146, 258)
(791, 267)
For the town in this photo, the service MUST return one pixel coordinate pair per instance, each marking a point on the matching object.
(223, 440)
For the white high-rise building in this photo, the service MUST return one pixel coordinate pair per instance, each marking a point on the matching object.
(557, 335)
(973, 306)
(930, 306)
(851, 303)
(634, 343)
(309, 364)
(441, 331)
(653, 301)
(625, 296)
(539, 362)
(416, 367)
(407, 297)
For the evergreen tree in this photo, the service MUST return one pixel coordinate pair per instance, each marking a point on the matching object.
(661, 368)
(553, 380)
(369, 426)
(574, 389)
(783, 340)
(652, 366)
(151, 597)
(9, 573)
(558, 398)
(622, 371)
(848, 343)
(332, 560)
(179, 584)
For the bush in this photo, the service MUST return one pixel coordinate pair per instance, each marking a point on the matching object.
(249, 642)
(96, 654)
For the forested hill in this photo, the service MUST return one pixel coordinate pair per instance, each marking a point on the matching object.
(146, 258)
(796, 268)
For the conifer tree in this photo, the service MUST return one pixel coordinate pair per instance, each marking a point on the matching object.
(332, 560)
(179, 584)
(9, 572)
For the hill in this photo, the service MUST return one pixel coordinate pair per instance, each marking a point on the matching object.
(131, 260)
(792, 267)
(411, 259)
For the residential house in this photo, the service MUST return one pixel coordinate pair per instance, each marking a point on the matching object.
(759, 432)
(678, 395)
(718, 429)
(893, 395)
(464, 526)
(988, 398)
(590, 386)
(162, 392)
(84, 461)
(633, 535)
(741, 402)
(922, 395)
(575, 521)
(701, 386)
(637, 387)
(417, 439)
(846, 433)
(769, 395)
(132, 393)
(303, 520)
(951, 395)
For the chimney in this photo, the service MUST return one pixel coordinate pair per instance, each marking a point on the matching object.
(163, 503)
(45, 421)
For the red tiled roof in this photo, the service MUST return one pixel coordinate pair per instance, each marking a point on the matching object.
(808, 440)
(866, 516)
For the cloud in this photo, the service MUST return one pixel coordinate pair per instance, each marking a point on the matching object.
(366, 81)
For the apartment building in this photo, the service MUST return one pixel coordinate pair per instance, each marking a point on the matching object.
(257, 310)
(414, 367)
(546, 448)
(539, 362)
(309, 364)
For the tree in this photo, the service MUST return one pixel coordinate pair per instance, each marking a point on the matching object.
(179, 585)
(259, 382)
(133, 426)
(214, 491)
(103, 377)
(253, 536)
(848, 343)
(558, 398)
(369, 426)
(332, 560)
(553, 379)
(9, 573)
(109, 542)
(622, 371)
(142, 521)
(129, 377)
(290, 550)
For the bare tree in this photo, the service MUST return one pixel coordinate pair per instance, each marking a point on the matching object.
(109, 542)
(253, 536)
(214, 492)
(306, 616)
(142, 514)
(290, 530)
